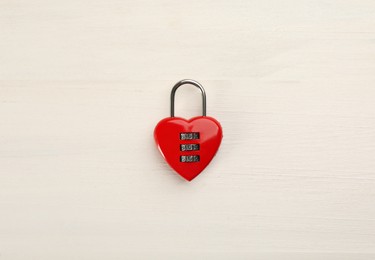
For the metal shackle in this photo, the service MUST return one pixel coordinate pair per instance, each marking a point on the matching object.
(191, 82)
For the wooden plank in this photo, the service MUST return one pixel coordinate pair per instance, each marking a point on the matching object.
(82, 85)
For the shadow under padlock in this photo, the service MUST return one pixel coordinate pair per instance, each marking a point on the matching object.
(188, 146)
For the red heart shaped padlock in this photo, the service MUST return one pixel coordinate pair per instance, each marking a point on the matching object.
(188, 146)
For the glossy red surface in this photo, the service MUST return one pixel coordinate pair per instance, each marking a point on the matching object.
(167, 136)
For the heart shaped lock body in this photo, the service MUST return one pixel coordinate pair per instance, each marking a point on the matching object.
(188, 146)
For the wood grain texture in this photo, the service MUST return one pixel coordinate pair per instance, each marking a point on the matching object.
(83, 83)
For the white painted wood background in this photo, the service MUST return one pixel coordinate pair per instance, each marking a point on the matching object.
(83, 83)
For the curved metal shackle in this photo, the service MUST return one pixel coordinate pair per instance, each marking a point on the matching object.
(191, 82)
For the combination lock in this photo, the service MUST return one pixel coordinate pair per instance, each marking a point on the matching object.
(188, 146)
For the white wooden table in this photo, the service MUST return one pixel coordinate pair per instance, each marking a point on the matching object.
(83, 83)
